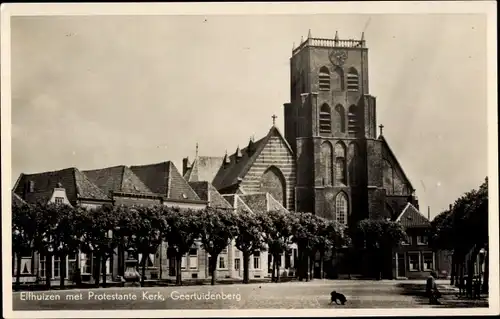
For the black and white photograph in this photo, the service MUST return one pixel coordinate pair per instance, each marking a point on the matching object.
(305, 159)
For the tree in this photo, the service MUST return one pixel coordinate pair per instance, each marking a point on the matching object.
(378, 237)
(305, 231)
(218, 228)
(278, 231)
(249, 238)
(23, 233)
(463, 229)
(47, 217)
(331, 236)
(148, 224)
(183, 230)
(98, 225)
(67, 235)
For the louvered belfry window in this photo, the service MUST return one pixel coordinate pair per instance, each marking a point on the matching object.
(324, 79)
(325, 119)
(352, 80)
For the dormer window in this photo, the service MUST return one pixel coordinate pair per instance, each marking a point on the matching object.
(324, 79)
(58, 200)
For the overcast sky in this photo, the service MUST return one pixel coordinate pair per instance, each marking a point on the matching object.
(94, 92)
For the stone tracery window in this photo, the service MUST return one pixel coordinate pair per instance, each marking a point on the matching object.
(340, 164)
(327, 161)
(341, 208)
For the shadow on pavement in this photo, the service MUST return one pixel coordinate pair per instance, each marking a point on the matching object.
(449, 297)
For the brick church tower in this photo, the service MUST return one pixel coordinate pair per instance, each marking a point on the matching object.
(330, 123)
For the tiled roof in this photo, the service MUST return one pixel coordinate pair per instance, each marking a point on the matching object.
(237, 203)
(76, 184)
(164, 178)
(394, 158)
(117, 179)
(410, 217)
(204, 168)
(262, 202)
(17, 200)
(229, 174)
(207, 192)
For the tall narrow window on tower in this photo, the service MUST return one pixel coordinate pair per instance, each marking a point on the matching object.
(341, 208)
(325, 119)
(327, 161)
(353, 121)
(340, 164)
(352, 80)
(338, 79)
(324, 79)
(353, 166)
(340, 118)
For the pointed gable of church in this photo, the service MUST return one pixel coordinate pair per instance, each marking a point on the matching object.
(164, 179)
(266, 165)
(411, 217)
(203, 169)
(395, 180)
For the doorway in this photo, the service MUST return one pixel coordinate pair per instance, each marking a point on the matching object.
(401, 265)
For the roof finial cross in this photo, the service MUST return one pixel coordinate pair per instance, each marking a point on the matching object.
(381, 129)
(274, 119)
(197, 150)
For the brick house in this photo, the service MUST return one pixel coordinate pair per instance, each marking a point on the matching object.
(414, 258)
(67, 186)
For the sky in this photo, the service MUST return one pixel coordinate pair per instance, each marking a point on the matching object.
(99, 91)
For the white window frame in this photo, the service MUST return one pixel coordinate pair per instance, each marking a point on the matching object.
(237, 262)
(184, 261)
(84, 266)
(222, 258)
(433, 266)
(193, 259)
(419, 262)
(420, 242)
(256, 259)
(59, 200)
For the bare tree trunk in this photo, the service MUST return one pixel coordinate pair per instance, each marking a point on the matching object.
(277, 260)
(62, 268)
(143, 268)
(246, 266)
(321, 256)
(48, 270)
(485, 289)
(178, 270)
(273, 273)
(97, 269)
(453, 269)
(18, 271)
(213, 269)
(103, 266)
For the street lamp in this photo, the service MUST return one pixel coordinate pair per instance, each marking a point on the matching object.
(131, 274)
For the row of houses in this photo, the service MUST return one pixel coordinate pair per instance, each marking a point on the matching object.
(155, 184)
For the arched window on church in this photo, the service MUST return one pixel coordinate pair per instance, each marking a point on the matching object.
(338, 79)
(327, 162)
(354, 166)
(352, 80)
(341, 208)
(324, 79)
(340, 118)
(388, 173)
(352, 126)
(340, 164)
(325, 119)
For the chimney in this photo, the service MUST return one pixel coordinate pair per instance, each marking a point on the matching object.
(251, 146)
(185, 165)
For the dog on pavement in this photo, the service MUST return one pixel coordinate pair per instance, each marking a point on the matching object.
(335, 296)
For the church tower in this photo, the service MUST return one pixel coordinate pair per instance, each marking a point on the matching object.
(330, 124)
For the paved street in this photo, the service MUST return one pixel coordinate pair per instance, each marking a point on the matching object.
(315, 294)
